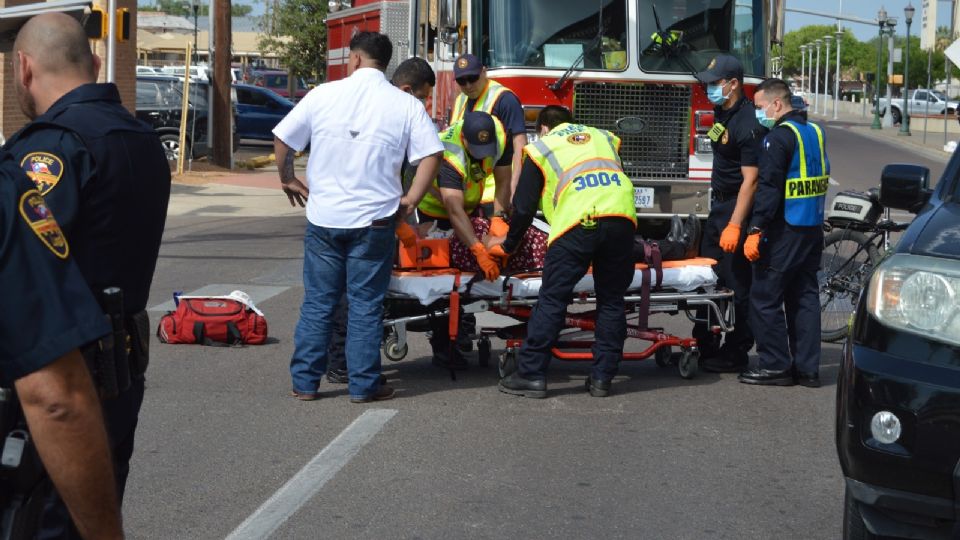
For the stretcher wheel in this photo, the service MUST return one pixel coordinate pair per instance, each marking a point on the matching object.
(393, 350)
(507, 363)
(483, 351)
(689, 364)
(662, 356)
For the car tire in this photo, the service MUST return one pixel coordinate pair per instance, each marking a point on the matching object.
(853, 526)
(897, 116)
(171, 145)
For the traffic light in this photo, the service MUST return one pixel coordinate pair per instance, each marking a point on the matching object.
(123, 24)
(95, 24)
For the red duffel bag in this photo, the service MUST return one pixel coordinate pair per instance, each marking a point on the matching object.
(213, 321)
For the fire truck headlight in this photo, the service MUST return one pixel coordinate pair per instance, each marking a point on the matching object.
(703, 145)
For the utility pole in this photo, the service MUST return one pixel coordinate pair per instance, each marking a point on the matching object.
(888, 117)
(222, 108)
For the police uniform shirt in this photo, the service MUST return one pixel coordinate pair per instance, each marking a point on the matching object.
(778, 148)
(47, 308)
(735, 138)
(508, 110)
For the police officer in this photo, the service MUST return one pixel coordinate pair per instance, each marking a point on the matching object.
(472, 146)
(785, 243)
(574, 173)
(735, 138)
(48, 313)
(105, 175)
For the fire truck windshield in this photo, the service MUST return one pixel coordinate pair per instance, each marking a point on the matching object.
(553, 33)
(698, 30)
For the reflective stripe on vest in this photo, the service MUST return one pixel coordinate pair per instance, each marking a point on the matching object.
(486, 101)
(584, 158)
(808, 178)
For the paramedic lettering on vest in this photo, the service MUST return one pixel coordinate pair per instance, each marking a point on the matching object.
(482, 94)
(785, 242)
(471, 147)
(735, 138)
(574, 173)
(105, 176)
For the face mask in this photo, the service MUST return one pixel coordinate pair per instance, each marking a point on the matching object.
(715, 93)
(764, 121)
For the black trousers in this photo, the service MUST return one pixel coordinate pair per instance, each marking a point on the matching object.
(733, 272)
(608, 247)
(785, 299)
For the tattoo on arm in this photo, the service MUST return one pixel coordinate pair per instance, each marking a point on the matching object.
(286, 169)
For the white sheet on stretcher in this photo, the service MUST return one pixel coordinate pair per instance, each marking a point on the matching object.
(428, 289)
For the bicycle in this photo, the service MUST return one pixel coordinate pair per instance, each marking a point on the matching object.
(856, 240)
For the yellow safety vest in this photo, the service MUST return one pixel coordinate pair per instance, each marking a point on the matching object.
(583, 178)
(473, 172)
(487, 100)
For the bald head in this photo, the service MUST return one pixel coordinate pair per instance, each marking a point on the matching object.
(57, 44)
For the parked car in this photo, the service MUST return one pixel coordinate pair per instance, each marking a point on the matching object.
(898, 389)
(277, 82)
(196, 72)
(921, 101)
(259, 110)
(147, 70)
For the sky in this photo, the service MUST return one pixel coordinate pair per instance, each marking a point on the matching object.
(865, 9)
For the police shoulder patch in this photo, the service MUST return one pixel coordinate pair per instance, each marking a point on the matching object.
(579, 138)
(34, 211)
(44, 168)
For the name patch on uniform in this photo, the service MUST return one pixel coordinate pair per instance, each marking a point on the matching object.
(579, 138)
(716, 131)
(44, 169)
(36, 213)
(811, 187)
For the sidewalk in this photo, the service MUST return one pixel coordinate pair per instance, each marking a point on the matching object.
(932, 148)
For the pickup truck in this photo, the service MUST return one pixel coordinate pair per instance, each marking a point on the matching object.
(922, 101)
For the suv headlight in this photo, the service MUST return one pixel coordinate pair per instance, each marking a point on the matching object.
(917, 294)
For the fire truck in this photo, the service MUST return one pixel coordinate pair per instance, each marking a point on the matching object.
(627, 66)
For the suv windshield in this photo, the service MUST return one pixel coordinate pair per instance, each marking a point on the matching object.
(699, 30)
(552, 33)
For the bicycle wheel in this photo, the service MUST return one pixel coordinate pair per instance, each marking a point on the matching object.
(848, 257)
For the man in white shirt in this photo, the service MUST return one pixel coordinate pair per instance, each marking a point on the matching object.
(359, 130)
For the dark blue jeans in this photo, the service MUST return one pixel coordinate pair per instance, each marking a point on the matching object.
(357, 261)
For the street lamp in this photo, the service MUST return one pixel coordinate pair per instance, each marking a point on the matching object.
(196, 12)
(826, 74)
(836, 79)
(810, 68)
(881, 21)
(905, 121)
(816, 73)
(803, 67)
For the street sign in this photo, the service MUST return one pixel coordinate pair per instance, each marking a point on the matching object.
(897, 55)
(953, 52)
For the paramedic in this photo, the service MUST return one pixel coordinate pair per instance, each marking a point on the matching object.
(360, 129)
(785, 242)
(105, 176)
(471, 148)
(51, 312)
(735, 138)
(574, 173)
(483, 94)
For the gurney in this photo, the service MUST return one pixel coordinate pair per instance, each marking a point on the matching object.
(675, 287)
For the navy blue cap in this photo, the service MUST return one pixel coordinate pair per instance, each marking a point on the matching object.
(480, 133)
(467, 64)
(723, 66)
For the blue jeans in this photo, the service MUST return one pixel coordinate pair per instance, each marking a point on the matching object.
(334, 260)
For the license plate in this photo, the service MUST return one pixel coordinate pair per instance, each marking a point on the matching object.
(643, 197)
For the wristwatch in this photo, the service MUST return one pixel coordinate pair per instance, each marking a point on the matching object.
(754, 230)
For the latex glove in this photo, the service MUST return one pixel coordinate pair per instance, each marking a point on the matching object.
(730, 237)
(498, 254)
(751, 247)
(490, 269)
(406, 234)
(498, 227)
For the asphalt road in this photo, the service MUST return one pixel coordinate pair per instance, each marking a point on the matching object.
(661, 458)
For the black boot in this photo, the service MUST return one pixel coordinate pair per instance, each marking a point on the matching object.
(691, 236)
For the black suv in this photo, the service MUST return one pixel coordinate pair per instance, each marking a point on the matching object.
(898, 391)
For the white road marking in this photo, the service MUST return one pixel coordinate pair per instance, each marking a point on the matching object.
(312, 477)
(833, 182)
(258, 293)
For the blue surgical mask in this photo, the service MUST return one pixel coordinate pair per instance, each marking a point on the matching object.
(764, 121)
(715, 93)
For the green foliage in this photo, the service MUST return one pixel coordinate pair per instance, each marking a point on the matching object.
(302, 47)
(185, 9)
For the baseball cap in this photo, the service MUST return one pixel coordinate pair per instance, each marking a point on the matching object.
(480, 133)
(467, 64)
(724, 66)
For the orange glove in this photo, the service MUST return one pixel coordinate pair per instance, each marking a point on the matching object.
(498, 227)
(498, 254)
(751, 247)
(730, 237)
(490, 269)
(406, 234)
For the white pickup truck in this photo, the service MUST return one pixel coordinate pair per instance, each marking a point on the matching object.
(922, 101)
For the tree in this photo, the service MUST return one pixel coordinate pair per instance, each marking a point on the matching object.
(298, 37)
(185, 9)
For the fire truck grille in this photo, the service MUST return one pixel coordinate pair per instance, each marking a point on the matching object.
(661, 150)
